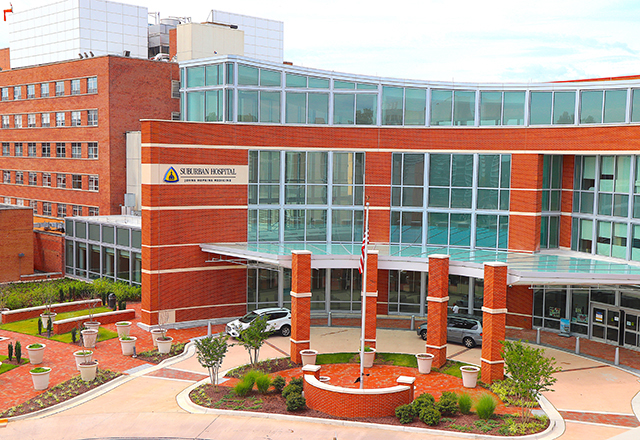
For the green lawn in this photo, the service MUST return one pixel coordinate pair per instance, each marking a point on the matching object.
(30, 326)
(6, 367)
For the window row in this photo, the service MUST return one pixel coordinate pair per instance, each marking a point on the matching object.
(56, 180)
(47, 208)
(76, 86)
(75, 118)
(606, 238)
(74, 150)
(92, 261)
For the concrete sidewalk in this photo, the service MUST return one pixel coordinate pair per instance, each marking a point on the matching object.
(594, 398)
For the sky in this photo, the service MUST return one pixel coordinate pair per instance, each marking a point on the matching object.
(490, 41)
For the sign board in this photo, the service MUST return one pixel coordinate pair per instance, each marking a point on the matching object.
(565, 327)
(174, 174)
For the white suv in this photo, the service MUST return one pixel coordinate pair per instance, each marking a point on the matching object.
(278, 320)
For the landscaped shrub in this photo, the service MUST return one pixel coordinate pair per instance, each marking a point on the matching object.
(10, 351)
(18, 350)
(485, 407)
(464, 403)
(74, 334)
(406, 413)
(297, 381)
(292, 388)
(39, 326)
(263, 382)
(251, 377)
(424, 400)
(279, 383)
(430, 416)
(448, 403)
(296, 402)
(242, 388)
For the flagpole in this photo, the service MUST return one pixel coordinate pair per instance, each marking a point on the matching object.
(363, 298)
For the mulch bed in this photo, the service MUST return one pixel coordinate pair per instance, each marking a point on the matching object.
(60, 393)
(154, 357)
(273, 403)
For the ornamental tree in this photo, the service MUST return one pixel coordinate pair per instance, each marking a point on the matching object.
(253, 337)
(211, 353)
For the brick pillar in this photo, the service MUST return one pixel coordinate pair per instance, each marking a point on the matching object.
(494, 319)
(372, 299)
(437, 302)
(300, 303)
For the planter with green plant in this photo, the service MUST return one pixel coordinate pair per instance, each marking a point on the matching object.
(123, 328)
(40, 377)
(88, 370)
(164, 344)
(128, 345)
(368, 357)
(82, 356)
(36, 353)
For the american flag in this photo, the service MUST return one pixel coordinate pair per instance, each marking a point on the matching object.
(365, 241)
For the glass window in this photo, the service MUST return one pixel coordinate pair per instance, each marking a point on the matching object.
(61, 149)
(564, 107)
(296, 81)
(464, 108)
(75, 86)
(108, 234)
(76, 181)
(61, 180)
(343, 85)
(17, 146)
(270, 107)
(438, 231)
(60, 88)
(615, 106)
(75, 119)
(44, 90)
(318, 108)
(229, 73)
(60, 119)
(540, 108)
(17, 123)
(392, 105)
(513, 113)
(92, 85)
(45, 120)
(366, 109)
(270, 78)
(213, 74)
(296, 108)
(92, 148)
(343, 109)
(213, 105)
(32, 150)
(31, 121)
(441, 107)
(5, 93)
(31, 91)
(591, 107)
(76, 150)
(17, 92)
(486, 231)
(93, 183)
(122, 237)
(123, 265)
(490, 108)
(318, 83)
(635, 106)
(136, 239)
(195, 106)
(247, 106)
(195, 76)
(77, 210)
(108, 262)
(247, 76)
(415, 107)
(46, 149)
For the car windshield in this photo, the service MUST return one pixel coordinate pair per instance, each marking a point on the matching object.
(248, 317)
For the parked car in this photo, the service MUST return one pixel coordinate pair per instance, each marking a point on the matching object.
(279, 320)
(466, 329)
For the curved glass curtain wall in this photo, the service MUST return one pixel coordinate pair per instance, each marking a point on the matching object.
(250, 91)
(606, 206)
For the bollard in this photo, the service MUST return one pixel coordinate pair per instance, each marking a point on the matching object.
(329, 319)
(209, 328)
(578, 345)
(413, 322)
(616, 360)
(538, 336)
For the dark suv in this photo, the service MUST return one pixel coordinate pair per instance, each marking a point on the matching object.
(466, 329)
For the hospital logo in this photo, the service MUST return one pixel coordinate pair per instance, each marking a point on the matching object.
(171, 176)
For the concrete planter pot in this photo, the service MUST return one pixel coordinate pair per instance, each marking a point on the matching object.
(92, 325)
(424, 362)
(36, 354)
(308, 357)
(46, 317)
(368, 358)
(40, 377)
(155, 334)
(469, 376)
(128, 345)
(89, 337)
(123, 328)
(164, 344)
(82, 356)
(88, 370)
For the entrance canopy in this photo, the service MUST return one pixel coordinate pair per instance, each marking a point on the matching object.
(548, 267)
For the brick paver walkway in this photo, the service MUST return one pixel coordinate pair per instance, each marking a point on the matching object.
(601, 419)
(17, 386)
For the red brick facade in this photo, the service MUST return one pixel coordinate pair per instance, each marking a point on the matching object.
(438, 297)
(371, 299)
(300, 303)
(493, 321)
(16, 243)
(48, 252)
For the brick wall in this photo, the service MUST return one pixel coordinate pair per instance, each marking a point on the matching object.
(48, 251)
(16, 238)
(5, 58)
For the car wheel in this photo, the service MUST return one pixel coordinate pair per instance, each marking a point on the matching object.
(423, 335)
(469, 342)
(285, 330)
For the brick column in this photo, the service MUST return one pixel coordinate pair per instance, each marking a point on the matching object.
(372, 299)
(494, 319)
(437, 302)
(300, 303)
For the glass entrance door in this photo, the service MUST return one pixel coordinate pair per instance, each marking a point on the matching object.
(631, 338)
(605, 324)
